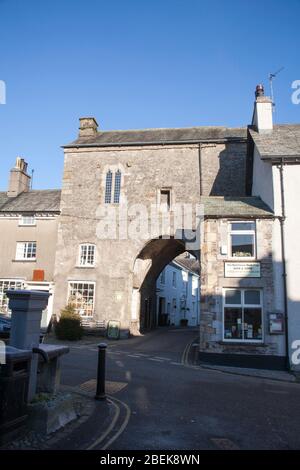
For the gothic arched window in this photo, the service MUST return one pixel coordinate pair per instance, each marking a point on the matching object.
(108, 187)
(117, 187)
(113, 187)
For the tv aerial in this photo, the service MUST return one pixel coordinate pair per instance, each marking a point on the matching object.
(271, 78)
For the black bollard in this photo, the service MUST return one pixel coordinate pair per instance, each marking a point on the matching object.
(100, 392)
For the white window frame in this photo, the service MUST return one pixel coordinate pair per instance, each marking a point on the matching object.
(86, 264)
(195, 285)
(163, 277)
(174, 279)
(24, 220)
(241, 232)
(12, 285)
(94, 295)
(25, 250)
(242, 305)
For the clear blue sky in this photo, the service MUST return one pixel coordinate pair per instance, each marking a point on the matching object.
(136, 64)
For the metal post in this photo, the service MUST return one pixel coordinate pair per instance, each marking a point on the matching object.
(100, 392)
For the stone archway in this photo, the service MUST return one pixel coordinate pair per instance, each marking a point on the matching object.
(149, 263)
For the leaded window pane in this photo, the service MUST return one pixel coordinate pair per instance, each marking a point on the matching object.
(117, 187)
(108, 187)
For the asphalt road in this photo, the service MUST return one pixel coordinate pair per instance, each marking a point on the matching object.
(173, 406)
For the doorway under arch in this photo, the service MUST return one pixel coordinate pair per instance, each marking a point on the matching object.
(149, 263)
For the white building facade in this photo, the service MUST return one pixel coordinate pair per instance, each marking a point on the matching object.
(178, 299)
(274, 159)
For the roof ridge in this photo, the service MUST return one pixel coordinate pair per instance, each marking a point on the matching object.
(170, 128)
(39, 191)
(32, 191)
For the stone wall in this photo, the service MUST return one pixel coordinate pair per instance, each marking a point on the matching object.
(145, 171)
(223, 169)
(213, 282)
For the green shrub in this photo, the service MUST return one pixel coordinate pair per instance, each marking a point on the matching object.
(69, 324)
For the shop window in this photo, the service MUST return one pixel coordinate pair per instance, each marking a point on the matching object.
(243, 315)
(82, 296)
(6, 284)
(242, 239)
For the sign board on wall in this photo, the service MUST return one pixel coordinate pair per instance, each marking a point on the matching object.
(113, 329)
(242, 269)
(276, 323)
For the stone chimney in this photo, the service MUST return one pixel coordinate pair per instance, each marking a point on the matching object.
(19, 180)
(88, 127)
(263, 111)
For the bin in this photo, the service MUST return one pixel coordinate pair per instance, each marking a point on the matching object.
(14, 380)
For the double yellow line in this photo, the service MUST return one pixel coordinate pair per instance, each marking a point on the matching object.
(110, 430)
(186, 352)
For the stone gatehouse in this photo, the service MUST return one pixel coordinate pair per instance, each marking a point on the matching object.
(114, 278)
(109, 253)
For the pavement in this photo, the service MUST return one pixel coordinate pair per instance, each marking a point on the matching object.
(157, 399)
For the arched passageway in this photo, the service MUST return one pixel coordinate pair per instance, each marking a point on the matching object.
(148, 265)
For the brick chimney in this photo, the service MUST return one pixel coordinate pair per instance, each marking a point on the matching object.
(263, 111)
(88, 127)
(19, 180)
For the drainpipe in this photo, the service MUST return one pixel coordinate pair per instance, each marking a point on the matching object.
(200, 168)
(284, 273)
(199, 261)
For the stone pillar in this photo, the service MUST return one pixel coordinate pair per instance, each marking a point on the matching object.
(27, 307)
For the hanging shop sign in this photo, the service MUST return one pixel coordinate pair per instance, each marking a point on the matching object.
(242, 269)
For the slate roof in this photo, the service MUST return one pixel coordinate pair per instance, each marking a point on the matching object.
(282, 141)
(160, 136)
(221, 206)
(190, 264)
(47, 200)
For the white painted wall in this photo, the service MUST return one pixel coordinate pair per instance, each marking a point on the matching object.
(263, 114)
(262, 179)
(266, 184)
(184, 287)
(292, 246)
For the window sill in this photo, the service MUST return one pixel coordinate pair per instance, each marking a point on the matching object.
(242, 343)
(85, 267)
(24, 260)
(235, 258)
(27, 225)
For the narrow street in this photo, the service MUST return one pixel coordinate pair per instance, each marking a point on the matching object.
(166, 404)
